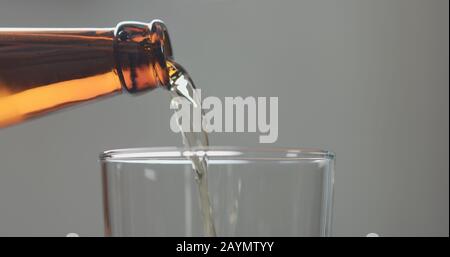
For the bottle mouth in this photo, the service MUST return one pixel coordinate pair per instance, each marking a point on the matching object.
(142, 51)
(158, 31)
(160, 36)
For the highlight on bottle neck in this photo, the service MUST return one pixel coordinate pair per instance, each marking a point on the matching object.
(141, 51)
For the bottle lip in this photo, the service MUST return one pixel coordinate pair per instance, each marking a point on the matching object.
(153, 35)
(160, 34)
(159, 29)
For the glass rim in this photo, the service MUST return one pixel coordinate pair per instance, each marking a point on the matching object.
(227, 153)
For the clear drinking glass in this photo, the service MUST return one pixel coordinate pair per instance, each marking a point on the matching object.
(253, 192)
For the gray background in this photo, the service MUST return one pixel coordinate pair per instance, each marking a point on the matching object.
(366, 79)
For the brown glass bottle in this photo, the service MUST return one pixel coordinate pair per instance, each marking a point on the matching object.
(43, 70)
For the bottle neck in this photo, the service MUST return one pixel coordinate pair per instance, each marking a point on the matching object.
(33, 58)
